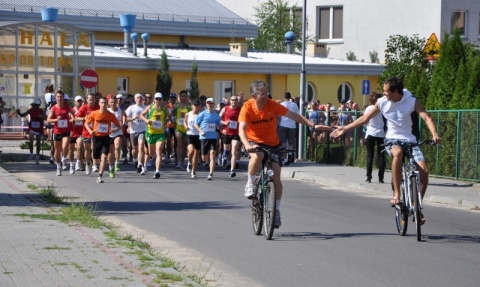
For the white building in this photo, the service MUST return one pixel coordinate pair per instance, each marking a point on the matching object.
(362, 27)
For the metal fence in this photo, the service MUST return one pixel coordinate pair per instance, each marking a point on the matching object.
(457, 157)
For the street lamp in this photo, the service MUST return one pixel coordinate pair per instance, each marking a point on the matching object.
(301, 132)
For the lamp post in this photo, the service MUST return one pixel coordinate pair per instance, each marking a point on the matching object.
(301, 132)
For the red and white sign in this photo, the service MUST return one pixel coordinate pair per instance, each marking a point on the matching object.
(89, 78)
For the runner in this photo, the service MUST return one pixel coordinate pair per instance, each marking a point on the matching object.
(81, 115)
(231, 140)
(180, 111)
(76, 139)
(193, 138)
(49, 103)
(61, 116)
(116, 137)
(99, 125)
(35, 127)
(207, 123)
(137, 132)
(155, 116)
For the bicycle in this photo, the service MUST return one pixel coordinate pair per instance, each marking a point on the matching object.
(411, 198)
(263, 202)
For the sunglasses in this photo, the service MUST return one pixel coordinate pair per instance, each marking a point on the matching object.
(148, 97)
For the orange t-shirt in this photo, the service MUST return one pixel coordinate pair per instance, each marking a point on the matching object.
(262, 125)
(102, 122)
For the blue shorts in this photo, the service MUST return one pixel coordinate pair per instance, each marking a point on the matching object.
(416, 151)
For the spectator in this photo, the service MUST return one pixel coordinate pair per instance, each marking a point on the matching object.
(374, 136)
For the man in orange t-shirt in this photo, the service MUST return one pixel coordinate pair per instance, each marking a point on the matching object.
(101, 121)
(258, 127)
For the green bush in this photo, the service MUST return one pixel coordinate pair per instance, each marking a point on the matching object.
(44, 145)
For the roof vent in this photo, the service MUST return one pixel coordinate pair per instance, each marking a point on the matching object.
(239, 49)
(49, 14)
(315, 49)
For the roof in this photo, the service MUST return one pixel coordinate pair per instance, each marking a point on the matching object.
(221, 61)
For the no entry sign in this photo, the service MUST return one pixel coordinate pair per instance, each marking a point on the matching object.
(89, 78)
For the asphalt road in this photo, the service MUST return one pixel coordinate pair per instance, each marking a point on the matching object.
(329, 236)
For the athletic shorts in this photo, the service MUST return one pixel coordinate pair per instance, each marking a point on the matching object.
(101, 145)
(208, 145)
(228, 139)
(86, 140)
(73, 140)
(277, 156)
(416, 151)
(112, 140)
(59, 137)
(286, 134)
(135, 137)
(195, 141)
(154, 138)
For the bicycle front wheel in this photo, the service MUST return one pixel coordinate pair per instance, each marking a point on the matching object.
(269, 210)
(401, 213)
(257, 210)
(416, 208)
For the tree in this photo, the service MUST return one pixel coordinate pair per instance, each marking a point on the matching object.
(164, 79)
(194, 91)
(274, 19)
(402, 54)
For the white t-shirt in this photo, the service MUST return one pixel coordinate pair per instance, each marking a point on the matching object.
(192, 118)
(118, 115)
(285, 121)
(398, 115)
(375, 124)
(137, 125)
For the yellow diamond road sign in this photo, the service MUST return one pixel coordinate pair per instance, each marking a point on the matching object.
(432, 47)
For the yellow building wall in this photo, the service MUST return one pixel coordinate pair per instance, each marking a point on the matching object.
(325, 87)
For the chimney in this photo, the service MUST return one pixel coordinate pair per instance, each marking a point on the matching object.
(239, 49)
(289, 39)
(315, 49)
(145, 37)
(134, 37)
(127, 22)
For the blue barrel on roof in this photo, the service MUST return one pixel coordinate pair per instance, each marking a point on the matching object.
(127, 21)
(49, 14)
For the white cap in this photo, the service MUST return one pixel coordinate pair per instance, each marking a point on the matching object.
(66, 97)
(332, 108)
(36, 102)
(78, 98)
(210, 100)
(119, 96)
(158, 96)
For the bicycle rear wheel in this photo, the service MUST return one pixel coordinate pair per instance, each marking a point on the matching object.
(416, 208)
(269, 210)
(401, 214)
(257, 209)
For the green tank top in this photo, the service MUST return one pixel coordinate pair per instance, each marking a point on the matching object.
(180, 117)
(157, 116)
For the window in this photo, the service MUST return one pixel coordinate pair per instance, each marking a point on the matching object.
(330, 23)
(459, 20)
(310, 92)
(344, 92)
(223, 89)
(296, 15)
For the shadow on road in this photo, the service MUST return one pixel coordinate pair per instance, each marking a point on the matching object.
(451, 239)
(294, 236)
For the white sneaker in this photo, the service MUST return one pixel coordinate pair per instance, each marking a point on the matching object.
(99, 179)
(249, 187)
(189, 167)
(143, 171)
(88, 169)
(157, 175)
(95, 168)
(59, 172)
(77, 166)
(210, 176)
(194, 175)
(72, 169)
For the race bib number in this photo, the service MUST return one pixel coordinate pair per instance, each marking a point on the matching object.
(157, 125)
(35, 125)
(180, 121)
(79, 123)
(211, 127)
(232, 125)
(62, 124)
(102, 128)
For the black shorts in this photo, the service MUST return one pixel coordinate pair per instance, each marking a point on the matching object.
(59, 137)
(208, 145)
(73, 140)
(277, 156)
(112, 140)
(101, 145)
(86, 140)
(195, 141)
(228, 139)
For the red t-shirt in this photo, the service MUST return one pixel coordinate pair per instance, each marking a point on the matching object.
(36, 120)
(262, 125)
(83, 112)
(231, 115)
(77, 126)
(63, 125)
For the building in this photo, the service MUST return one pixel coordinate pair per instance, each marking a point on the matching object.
(362, 27)
(36, 52)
